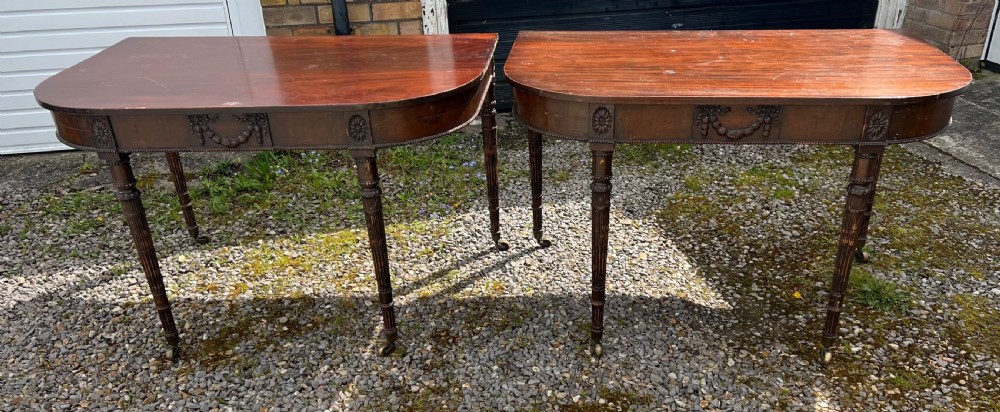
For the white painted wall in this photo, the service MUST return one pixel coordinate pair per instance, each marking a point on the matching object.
(991, 52)
(890, 14)
(38, 38)
(435, 16)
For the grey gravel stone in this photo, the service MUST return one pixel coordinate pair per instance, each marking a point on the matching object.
(484, 330)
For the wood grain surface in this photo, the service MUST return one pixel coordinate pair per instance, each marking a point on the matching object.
(763, 67)
(266, 74)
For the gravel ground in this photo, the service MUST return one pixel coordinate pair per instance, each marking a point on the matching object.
(719, 266)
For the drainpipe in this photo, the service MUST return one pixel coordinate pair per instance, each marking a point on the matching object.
(341, 25)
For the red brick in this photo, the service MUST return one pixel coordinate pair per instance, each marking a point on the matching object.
(266, 3)
(359, 12)
(271, 31)
(325, 14)
(396, 11)
(411, 27)
(290, 16)
(376, 28)
(311, 31)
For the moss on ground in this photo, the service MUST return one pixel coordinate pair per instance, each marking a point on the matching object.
(919, 229)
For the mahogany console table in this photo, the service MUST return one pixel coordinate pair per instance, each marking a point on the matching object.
(866, 88)
(359, 93)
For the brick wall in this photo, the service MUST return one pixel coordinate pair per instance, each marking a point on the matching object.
(315, 17)
(958, 27)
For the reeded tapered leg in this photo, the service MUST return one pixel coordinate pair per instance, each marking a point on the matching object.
(371, 197)
(861, 255)
(600, 188)
(535, 161)
(135, 217)
(489, 118)
(183, 198)
(859, 194)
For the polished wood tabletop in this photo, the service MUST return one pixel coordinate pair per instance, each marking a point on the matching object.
(359, 93)
(838, 66)
(231, 74)
(254, 93)
(866, 88)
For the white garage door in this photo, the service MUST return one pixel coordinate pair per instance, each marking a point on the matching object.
(40, 37)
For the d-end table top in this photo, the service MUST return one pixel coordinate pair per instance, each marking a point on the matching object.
(223, 74)
(782, 66)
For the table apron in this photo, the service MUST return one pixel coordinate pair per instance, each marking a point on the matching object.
(721, 123)
(282, 128)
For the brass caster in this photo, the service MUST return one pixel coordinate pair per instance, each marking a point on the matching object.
(596, 349)
(862, 256)
(388, 349)
(502, 246)
(174, 354)
(825, 356)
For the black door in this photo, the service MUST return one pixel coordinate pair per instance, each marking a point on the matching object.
(508, 17)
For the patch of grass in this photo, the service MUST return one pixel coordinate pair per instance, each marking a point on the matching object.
(617, 400)
(694, 183)
(698, 212)
(271, 322)
(910, 381)
(290, 257)
(81, 203)
(652, 154)
(877, 293)
(418, 181)
(495, 287)
(776, 182)
(559, 175)
(86, 168)
(979, 325)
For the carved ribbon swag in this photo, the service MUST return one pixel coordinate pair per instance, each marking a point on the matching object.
(709, 117)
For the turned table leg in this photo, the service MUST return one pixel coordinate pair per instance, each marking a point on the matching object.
(183, 198)
(859, 199)
(535, 163)
(600, 219)
(860, 255)
(371, 196)
(489, 118)
(135, 217)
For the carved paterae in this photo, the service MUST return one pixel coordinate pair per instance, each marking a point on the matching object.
(357, 130)
(255, 127)
(708, 117)
(603, 122)
(876, 124)
(101, 132)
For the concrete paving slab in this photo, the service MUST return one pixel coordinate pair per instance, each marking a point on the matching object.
(974, 136)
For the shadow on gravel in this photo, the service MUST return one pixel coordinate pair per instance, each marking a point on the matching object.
(326, 345)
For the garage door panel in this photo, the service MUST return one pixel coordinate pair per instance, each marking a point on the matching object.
(24, 119)
(23, 83)
(187, 14)
(16, 63)
(8, 6)
(38, 38)
(18, 101)
(28, 141)
(73, 42)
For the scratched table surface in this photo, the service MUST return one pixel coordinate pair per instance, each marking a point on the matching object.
(851, 66)
(268, 73)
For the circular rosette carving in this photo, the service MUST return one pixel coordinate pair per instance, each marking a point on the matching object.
(357, 130)
(877, 125)
(603, 122)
